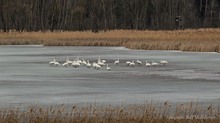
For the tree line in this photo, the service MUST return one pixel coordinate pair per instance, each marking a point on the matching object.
(96, 15)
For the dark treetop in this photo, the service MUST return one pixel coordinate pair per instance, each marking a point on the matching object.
(95, 15)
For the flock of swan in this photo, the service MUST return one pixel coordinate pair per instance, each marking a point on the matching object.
(101, 63)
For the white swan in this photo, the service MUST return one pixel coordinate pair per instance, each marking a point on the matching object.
(132, 64)
(96, 66)
(78, 60)
(84, 62)
(51, 63)
(56, 64)
(99, 62)
(88, 65)
(68, 61)
(76, 64)
(154, 63)
(163, 62)
(139, 62)
(65, 64)
(117, 61)
(104, 61)
(148, 64)
(128, 63)
(108, 68)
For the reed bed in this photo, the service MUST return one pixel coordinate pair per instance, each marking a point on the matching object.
(200, 40)
(144, 113)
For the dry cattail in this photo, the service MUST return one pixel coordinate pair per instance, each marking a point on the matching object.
(187, 40)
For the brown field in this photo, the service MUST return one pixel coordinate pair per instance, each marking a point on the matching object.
(144, 113)
(200, 40)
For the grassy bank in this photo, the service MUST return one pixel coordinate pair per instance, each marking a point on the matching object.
(201, 40)
(145, 113)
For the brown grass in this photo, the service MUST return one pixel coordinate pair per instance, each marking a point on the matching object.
(201, 40)
(145, 113)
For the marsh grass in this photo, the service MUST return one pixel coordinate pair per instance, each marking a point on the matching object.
(201, 40)
(144, 113)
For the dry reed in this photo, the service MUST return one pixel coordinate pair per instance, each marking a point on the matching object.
(144, 113)
(201, 40)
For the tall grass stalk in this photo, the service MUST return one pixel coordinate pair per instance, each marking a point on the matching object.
(144, 113)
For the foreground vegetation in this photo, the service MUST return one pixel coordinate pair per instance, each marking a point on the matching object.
(201, 40)
(145, 113)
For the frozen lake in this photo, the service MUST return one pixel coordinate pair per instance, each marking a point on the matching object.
(26, 78)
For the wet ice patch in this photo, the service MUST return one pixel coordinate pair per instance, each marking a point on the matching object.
(187, 74)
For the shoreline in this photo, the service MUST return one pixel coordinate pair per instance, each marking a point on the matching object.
(201, 40)
(33, 45)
